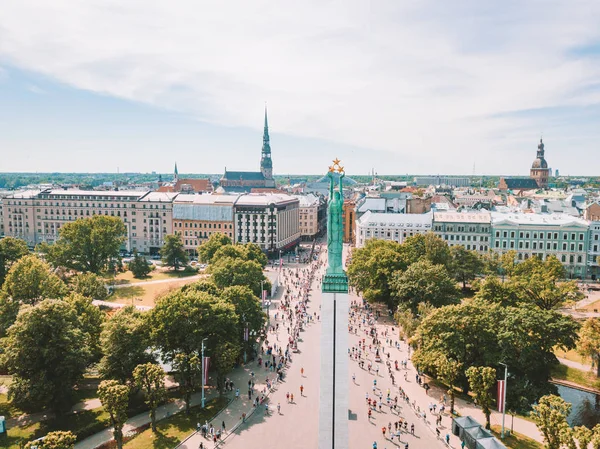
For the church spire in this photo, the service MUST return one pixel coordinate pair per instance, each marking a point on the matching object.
(266, 164)
(176, 173)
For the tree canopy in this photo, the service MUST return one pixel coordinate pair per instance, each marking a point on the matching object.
(173, 253)
(90, 285)
(139, 266)
(30, 280)
(228, 272)
(150, 378)
(207, 249)
(115, 398)
(11, 250)
(87, 244)
(588, 344)
(45, 351)
(425, 282)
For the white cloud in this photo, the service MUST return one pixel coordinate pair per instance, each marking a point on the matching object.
(424, 80)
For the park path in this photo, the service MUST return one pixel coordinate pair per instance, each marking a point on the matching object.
(576, 365)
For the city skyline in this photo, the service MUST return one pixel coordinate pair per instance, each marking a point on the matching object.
(472, 91)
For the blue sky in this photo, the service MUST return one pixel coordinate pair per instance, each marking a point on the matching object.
(398, 86)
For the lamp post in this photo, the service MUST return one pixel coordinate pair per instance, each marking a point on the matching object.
(504, 397)
(203, 380)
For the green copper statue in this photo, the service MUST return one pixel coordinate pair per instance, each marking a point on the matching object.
(335, 278)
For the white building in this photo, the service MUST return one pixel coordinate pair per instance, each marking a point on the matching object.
(468, 229)
(395, 227)
(594, 250)
(542, 235)
(271, 220)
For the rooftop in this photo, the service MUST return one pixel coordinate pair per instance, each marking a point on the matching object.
(264, 199)
(463, 217)
(159, 197)
(409, 220)
(213, 200)
(537, 219)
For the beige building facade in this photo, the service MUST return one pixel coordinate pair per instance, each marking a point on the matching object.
(309, 216)
(197, 217)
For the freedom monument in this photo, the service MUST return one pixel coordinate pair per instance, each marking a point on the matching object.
(333, 398)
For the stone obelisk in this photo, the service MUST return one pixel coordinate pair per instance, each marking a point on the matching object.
(333, 400)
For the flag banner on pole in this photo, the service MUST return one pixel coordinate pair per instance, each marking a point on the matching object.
(264, 296)
(501, 387)
(280, 262)
(246, 334)
(206, 364)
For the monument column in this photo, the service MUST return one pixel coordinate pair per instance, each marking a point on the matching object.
(333, 398)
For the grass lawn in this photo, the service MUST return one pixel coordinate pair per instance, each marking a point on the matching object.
(174, 429)
(155, 275)
(516, 440)
(147, 294)
(584, 378)
(593, 307)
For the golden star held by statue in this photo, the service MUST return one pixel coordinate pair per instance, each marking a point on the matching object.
(336, 167)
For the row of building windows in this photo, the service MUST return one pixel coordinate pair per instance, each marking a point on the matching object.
(538, 245)
(550, 235)
(203, 225)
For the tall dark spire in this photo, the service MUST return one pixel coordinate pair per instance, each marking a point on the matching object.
(266, 164)
(176, 172)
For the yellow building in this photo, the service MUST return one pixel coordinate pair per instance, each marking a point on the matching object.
(349, 221)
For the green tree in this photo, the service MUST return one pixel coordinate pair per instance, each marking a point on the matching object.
(492, 289)
(54, 440)
(139, 266)
(207, 249)
(90, 285)
(425, 282)
(115, 398)
(173, 253)
(437, 250)
(9, 310)
(409, 321)
(482, 380)
(588, 344)
(253, 252)
(11, 250)
(448, 372)
(125, 340)
(87, 244)
(229, 272)
(508, 263)
(90, 319)
(46, 354)
(373, 267)
(224, 358)
(202, 286)
(249, 310)
(150, 378)
(232, 251)
(30, 280)
(542, 289)
(181, 321)
(550, 416)
(465, 265)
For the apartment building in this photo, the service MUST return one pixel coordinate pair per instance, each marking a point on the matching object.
(468, 229)
(268, 219)
(309, 216)
(197, 217)
(37, 215)
(594, 250)
(394, 227)
(542, 235)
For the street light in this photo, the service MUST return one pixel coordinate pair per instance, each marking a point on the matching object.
(203, 380)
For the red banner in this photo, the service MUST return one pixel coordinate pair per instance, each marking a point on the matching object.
(206, 364)
(501, 393)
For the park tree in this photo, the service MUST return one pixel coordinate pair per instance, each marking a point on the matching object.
(115, 398)
(588, 344)
(543, 290)
(248, 308)
(90, 319)
(173, 253)
(508, 263)
(46, 354)
(550, 416)
(493, 290)
(424, 282)
(225, 356)
(232, 251)
(465, 265)
(437, 250)
(448, 372)
(87, 244)
(373, 267)
(482, 380)
(408, 320)
(253, 252)
(228, 272)
(59, 439)
(207, 249)
(179, 324)
(125, 340)
(139, 266)
(30, 280)
(202, 285)
(150, 378)
(90, 285)
(9, 310)
(11, 250)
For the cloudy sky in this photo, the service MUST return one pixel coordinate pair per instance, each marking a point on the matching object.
(425, 86)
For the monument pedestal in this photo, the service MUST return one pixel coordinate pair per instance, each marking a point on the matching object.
(333, 400)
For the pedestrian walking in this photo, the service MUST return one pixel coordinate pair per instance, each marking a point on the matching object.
(278, 408)
(301, 390)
